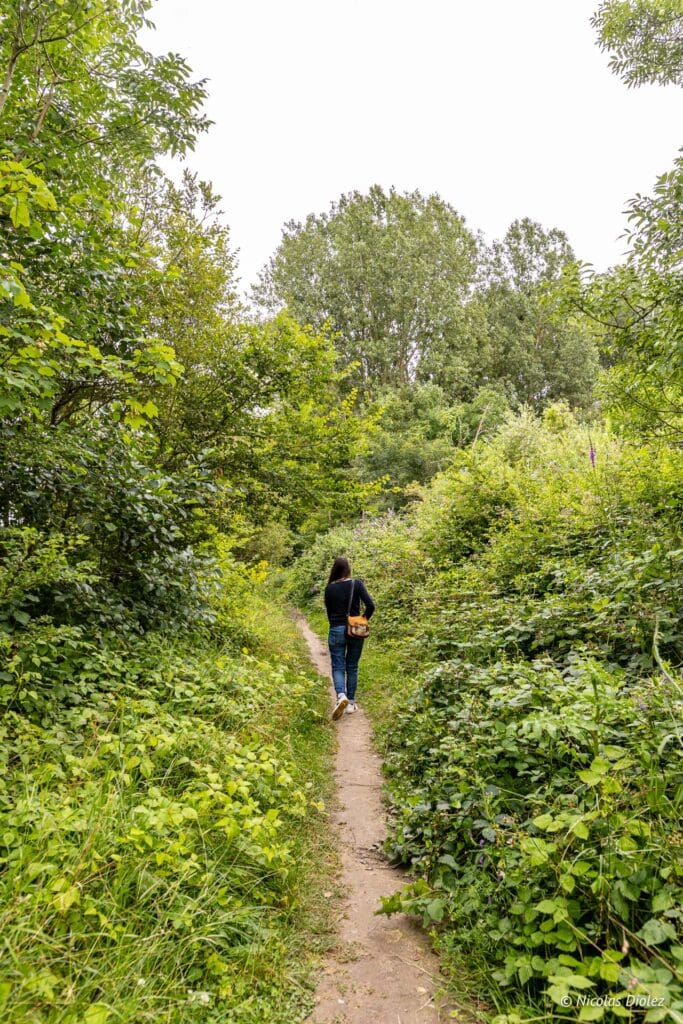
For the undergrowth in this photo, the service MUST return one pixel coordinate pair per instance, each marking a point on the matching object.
(161, 822)
(528, 648)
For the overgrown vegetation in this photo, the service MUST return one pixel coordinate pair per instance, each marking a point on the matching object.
(500, 430)
(159, 797)
(535, 759)
(162, 754)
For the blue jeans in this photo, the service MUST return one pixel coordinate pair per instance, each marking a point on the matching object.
(345, 652)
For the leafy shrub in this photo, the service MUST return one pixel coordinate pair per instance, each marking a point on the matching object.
(133, 529)
(541, 810)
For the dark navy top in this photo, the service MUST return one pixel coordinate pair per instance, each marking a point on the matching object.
(337, 600)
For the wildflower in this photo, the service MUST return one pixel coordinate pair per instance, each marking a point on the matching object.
(480, 860)
(591, 455)
(204, 998)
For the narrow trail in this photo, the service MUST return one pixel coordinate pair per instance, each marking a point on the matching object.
(381, 970)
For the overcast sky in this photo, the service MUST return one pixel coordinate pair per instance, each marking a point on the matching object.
(505, 108)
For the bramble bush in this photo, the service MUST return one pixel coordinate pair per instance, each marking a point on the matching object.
(540, 808)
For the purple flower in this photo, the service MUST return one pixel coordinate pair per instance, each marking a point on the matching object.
(481, 842)
(591, 455)
(480, 860)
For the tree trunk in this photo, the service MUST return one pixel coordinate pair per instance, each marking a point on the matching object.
(9, 75)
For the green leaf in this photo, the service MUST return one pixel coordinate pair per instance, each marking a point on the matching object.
(609, 972)
(63, 900)
(19, 213)
(544, 821)
(613, 752)
(573, 980)
(662, 901)
(654, 932)
(580, 829)
(38, 868)
(97, 1013)
(435, 909)
(591, 1012)
(559, 994)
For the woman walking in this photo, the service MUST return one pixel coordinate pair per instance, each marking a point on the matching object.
(343, 596)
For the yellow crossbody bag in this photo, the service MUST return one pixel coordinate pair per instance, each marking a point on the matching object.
(356, 625)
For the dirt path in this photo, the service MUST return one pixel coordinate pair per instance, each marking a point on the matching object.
(382, 970)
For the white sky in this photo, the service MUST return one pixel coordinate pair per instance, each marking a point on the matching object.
(506, 108)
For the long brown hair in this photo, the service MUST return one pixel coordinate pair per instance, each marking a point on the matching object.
(341, 567)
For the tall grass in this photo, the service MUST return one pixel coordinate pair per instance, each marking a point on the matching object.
(163, 845)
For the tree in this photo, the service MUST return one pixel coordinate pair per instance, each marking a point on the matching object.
(412, 432)
(645, 39)
(387, 272)
(81, 95)
(528, 256)
(84, 110)
(266, 410)
(536, 353)
(262, 401)
(82, 100)
(635, 314)
(634, 310)
(77, 485)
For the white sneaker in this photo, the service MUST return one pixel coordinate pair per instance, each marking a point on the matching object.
(340, 707)
(351, 708)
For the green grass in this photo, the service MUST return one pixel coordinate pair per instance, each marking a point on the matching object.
(165, 851)
(310, 741)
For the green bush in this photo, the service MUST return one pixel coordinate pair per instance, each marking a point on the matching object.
(383, 552)
(126, 534)
(541, 810)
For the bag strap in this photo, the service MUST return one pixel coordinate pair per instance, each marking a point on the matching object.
(348, 610)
